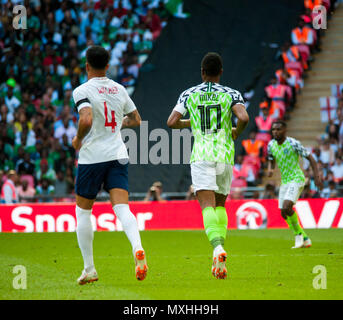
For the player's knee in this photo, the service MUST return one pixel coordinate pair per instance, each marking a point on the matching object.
(287, 211)
(284, 213)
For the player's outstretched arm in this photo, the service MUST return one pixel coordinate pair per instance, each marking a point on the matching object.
(175, 121)
(85, 124)
(131, 120)
(317, 178)
(243, 119)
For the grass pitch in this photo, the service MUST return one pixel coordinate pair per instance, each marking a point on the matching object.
(261, 265)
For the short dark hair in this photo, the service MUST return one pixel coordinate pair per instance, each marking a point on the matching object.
(97, 57)
(212, 64)
(283, 123)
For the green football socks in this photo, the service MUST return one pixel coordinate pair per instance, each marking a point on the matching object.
(222, 223)
(294, 225)
(211, 226)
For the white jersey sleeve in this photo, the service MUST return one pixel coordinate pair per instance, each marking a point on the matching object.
(80, 98)
(181, 105)
(129, 105)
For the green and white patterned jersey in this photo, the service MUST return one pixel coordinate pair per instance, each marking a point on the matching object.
(209, 105)
(286, 156)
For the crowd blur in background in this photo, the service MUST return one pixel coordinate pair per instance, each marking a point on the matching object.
(40, 67)
(280, 97)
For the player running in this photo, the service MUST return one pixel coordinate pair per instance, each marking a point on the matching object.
(286, 151)
(210, 106)
(103, 158)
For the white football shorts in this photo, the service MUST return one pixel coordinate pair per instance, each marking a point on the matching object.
(290, 191)
(208, 175)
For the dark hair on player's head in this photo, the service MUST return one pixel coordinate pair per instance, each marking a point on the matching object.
(283, 123)
(212, 64)
(97, 57)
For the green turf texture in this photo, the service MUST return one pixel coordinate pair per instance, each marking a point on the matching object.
(261, 265)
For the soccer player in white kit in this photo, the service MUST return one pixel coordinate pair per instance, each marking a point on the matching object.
(103, 159)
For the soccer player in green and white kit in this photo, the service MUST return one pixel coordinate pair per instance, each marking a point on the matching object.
(210, 106)
(285, 151)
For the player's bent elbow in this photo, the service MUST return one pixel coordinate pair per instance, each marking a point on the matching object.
(171, 124)
(244, 118)
(86, 123)
(138, 122)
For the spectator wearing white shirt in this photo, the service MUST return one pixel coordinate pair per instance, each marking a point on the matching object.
(5, 115)
(9, 192)
(337, 170)
(11, 101)
(68, 129)
(326, 153)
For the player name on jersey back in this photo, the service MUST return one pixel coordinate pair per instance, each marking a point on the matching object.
(110, 102)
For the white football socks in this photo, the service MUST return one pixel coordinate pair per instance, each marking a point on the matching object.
(84, 231)
(218, 249)
(129, 224)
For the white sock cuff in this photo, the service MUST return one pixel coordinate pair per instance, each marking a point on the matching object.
(83, 211)
(119, 208)
(120, 205)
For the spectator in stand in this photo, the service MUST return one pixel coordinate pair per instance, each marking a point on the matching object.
(67, 147)
(153, 22)
(264, 124)
(279, 94)
(125, 78)
(120, 11)
(302, 35)
(9, 192)
(163, 13)
(45, 172)
(330, 191)
(25, 191)
(252, 147)
(269, 191)
(11, 101)
(310, 4)
(327, 155)
(142, 46)
(45, 189)
(332, 129)
(292, 78)
(155, 192)
(67, 129)
(18, 154)
(26, 165)
(337, 170)
(70, 178)
(292, 58)
(61, 185)
(273, 111)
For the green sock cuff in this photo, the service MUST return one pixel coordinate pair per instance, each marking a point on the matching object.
(296, 225)
(222, 241)
(216, 242)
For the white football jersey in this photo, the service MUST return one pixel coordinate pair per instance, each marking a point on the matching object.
(110, 102)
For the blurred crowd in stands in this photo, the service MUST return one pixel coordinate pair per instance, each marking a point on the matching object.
(41, 65)
(280, 98)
